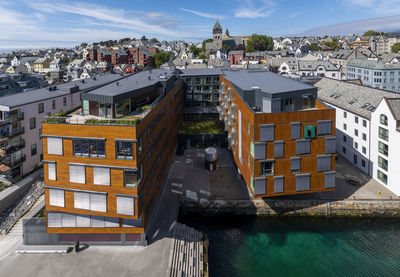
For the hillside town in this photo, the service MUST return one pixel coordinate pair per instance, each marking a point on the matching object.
(110, 143)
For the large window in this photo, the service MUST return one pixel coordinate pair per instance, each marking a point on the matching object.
(90, 201)
(101, 176)
(94, 148)
(124, 150)
(302, 182)
(132, 178)
(54, 146)
(295, 129)
(382, 177)
(384, 119)
(32, 123)
(40, 107)
(324, 128)
(33, 149)
(295, 165)
(383, 148)
(56, 197)
(77, 174)
(302, 146)
(324, 163)
(125, 205)
(266, 168)
(383, 134)
(382, 163)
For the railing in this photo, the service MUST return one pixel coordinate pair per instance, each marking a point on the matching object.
(84, 120)
(7, 161)
(15, 146)
(16, 132)
(12, 119)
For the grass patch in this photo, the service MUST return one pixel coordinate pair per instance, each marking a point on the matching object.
(4, 186)
(201, 127)
(42, 213)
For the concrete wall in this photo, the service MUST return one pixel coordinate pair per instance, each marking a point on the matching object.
(390, 208)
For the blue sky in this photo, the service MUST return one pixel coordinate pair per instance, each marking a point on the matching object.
(47, 23)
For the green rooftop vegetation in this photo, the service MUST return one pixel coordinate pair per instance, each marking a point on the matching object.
(201, 127)
(126, 121)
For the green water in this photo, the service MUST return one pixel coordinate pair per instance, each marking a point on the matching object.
(300, 247)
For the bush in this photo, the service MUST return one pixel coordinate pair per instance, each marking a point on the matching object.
(55, 120)
(111, 121)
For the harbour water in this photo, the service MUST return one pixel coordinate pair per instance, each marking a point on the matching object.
(254, 246)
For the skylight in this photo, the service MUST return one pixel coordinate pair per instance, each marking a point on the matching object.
(352, 101)
(366, 105)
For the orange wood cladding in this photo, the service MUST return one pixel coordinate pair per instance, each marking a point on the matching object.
(282, 132)
(149, 187)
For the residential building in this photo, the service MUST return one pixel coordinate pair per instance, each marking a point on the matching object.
(375, 73)
(367, 128)
(319, 68)
(282, 138)
(105, 166)
(40, 64)
(21, 115)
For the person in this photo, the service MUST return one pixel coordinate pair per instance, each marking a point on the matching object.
(77, 247)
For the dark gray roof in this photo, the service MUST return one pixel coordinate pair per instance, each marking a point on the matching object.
(394, 104)
(371, 64)
(357, 99)
(266, 81)
(42, 94)
(200, 72)
(133, 82)
(313, 65)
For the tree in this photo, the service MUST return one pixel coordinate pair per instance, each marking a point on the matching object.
(396, 48)
(226, 47)
(154, 40)
(259, 43)
(334, 44)
(373, 33)
(314, 47)
(84, 44)
(203, 56)
(143, 38)
(160, 58)
(203, 44)
(196, 51)
(273, 68)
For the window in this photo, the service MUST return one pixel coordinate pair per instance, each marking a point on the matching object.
(267, 132)
(32, 123)
(295, 130)
(248, 127)
(278, 149)
(302, 182)
(356, 132)
(295, 165)
(124, 150)
(382, 177)
(40, 107)
(344, 149)
(302, 147)
(259, 150)
(33, 149)
(54, 146)
(40, 133)
(248, 160)
(309, 131)
(266, 168)
(355, 145)
(51, 167)
(65, 101)
(355, 159)
(329, 180)
(364, 150)
(54, 220)
(323, 163)
(90, 201)
(344, 138)
(125, 205)
(77, 174)
(344, 114)
(330, 145)
(56, 197)
(382, 163)
(94, 148)
(384, 119)
(260, 185)
(383, 134)
(344, 126)
(363, 163)
(278, 184)
(101, 176)
(53, 104)
(132, 178)
(364, 136)
(364, 123)
(383, 148)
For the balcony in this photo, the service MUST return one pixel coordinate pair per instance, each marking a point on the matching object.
(7, 161)
(14, 146)
(13, 118)
(16, 132)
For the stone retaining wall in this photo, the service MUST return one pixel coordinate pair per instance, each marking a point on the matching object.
(372, 208)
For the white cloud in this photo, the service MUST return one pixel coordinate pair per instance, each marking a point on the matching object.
(295, 14)
(255, 9)
(382, 24)
(206, 15)
(105, 14)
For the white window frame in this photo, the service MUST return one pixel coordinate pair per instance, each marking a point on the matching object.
(54, 146)
(52, 171)
(57, 197)
(101, 176)
(77, 174)
(125, 205)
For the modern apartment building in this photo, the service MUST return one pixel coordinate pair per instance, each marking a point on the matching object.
(201, 93)
(281, 136)
(375, 74)
(21, 115)
(367, 128)
(105, 164)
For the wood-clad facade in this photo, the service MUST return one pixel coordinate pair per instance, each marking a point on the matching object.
(152, 142)
(250, 149)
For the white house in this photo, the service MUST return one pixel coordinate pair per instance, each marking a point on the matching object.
(367, 128)
(319, 68)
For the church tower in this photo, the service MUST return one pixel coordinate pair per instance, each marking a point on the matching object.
(217, 31)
